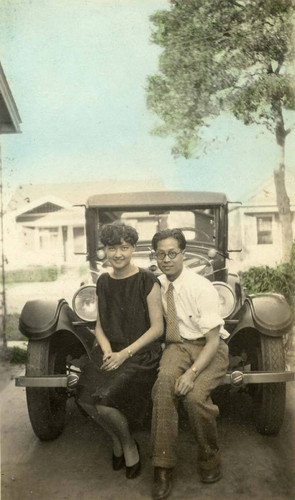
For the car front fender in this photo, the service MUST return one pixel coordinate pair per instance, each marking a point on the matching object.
(40, 319)
(270, 314)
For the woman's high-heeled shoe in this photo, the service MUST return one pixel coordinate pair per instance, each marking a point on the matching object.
(134, 471)
(118, 462)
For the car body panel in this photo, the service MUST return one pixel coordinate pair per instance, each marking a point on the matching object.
(40, 319)
(268, 314)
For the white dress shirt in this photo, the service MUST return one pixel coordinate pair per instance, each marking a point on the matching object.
(196, 303)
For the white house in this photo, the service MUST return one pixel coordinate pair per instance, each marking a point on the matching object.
(254, 226)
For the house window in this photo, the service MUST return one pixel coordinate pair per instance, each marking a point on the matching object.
(264, 231)
(79, 240)
(48, 237)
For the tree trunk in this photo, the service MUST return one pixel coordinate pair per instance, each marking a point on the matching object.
(285, 214)
(283, 200)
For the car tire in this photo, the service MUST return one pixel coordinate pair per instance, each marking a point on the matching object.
(270, 399)
(46, 405)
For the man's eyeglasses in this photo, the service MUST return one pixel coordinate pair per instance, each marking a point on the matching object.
(171, 254)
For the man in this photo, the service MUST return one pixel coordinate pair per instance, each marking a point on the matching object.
(194, 362)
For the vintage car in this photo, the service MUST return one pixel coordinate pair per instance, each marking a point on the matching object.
(61, 336)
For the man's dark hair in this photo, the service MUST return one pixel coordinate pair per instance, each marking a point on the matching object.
(176, 233)
(115, 233)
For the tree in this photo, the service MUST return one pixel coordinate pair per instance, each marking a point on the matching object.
(225, 55)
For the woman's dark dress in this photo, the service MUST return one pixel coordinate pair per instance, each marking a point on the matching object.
(124, 317)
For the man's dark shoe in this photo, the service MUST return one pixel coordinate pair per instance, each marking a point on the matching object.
(162, 482)
(211, 475)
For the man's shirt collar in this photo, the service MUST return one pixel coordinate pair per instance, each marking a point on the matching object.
(176, 283)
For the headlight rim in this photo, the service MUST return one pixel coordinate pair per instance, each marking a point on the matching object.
(83, 318)
(226, 285)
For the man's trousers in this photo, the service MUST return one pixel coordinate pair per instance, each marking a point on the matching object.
(202, 413)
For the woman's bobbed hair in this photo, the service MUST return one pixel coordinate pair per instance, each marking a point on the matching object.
(115, 233)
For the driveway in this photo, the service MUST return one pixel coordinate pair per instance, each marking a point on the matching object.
(77, 465)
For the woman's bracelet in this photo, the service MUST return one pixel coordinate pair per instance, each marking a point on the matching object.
(130, 353)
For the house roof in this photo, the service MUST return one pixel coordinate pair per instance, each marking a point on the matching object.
(265, 194)
(9, 116)
(73, 217)
(159, 199)
(30, 208)
(75, 193)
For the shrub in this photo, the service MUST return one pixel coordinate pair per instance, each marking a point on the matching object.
(32, 274)
(280, 279)
(12, 355)
(18, 356)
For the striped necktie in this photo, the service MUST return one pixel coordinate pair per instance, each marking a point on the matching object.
(172, 328)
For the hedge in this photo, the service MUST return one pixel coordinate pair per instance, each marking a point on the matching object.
(32, 274)
(279, 279)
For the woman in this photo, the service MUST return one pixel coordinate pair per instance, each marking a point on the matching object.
(124, 365)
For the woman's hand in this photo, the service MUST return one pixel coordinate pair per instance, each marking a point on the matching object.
(112, 360)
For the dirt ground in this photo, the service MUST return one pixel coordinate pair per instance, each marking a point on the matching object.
(77, 465)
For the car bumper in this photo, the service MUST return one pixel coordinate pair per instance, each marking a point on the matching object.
(67, 381)
(235, 378)
(238, 378)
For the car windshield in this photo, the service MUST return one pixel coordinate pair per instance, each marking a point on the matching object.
(198, 225)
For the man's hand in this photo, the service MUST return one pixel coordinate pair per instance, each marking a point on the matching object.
(185, 383)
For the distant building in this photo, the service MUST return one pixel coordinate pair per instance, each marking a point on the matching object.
(45, 226)
(255, 228)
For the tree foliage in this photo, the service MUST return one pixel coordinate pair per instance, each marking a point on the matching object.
(222, 55)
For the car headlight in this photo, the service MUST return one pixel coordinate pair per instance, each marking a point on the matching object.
(227, 299)
(84, 303)
(101, 255)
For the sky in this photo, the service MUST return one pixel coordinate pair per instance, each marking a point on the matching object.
(78, 72)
